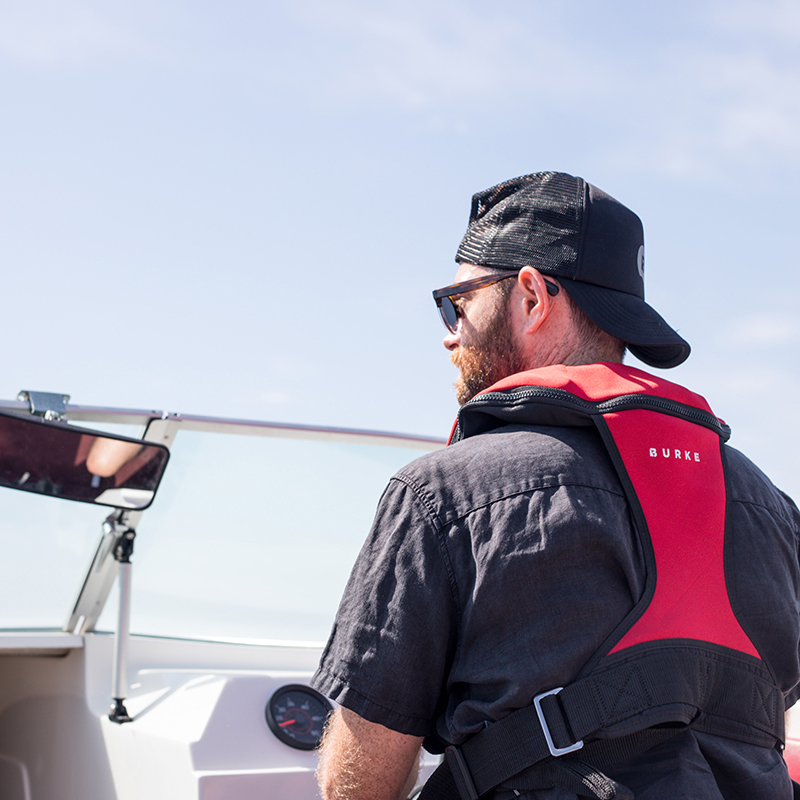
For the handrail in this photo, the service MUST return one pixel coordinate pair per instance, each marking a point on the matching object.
(130, 416)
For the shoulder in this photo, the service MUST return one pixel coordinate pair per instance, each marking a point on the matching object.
(508, 461)
(749, 486)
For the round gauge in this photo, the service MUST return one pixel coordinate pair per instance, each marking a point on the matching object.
(297, 714)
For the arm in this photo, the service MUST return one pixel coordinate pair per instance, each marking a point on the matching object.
(106, 456)
(360, 760)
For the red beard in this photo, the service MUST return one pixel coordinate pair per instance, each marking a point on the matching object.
(492, 355)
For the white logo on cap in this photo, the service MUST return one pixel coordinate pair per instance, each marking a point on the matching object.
(640, 261)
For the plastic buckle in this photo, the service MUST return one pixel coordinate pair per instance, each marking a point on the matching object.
(555, 751)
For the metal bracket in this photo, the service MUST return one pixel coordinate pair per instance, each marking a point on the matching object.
(123, 549)
(49, 405)
(118, 712)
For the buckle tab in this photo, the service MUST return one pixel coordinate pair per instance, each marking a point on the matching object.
(554, 751)
(460, 772)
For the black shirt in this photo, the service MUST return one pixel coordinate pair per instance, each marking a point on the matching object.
(496, 567)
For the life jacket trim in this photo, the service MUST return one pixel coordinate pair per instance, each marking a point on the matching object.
(482, 413)
(645, 540)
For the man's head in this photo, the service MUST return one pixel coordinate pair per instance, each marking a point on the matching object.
(551, 232)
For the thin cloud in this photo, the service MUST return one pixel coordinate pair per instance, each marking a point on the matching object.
(753, 104)
(422, 55)
(759, 330)
(51, 33)
(717, 91)
(716, 88)
(777, 19)
(725, 94)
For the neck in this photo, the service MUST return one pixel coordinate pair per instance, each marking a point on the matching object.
(571, 351)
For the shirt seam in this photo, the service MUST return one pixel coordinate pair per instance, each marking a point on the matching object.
(771, 511)
(530, 490)
(422, 495)
(341, 686)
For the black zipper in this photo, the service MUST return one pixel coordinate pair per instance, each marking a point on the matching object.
(620, 403)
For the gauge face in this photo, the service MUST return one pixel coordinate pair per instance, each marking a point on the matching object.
(296, 715)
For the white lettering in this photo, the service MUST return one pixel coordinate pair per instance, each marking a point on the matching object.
(670, 452)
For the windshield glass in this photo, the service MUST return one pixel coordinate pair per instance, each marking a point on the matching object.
(47, 545)
(253, 537)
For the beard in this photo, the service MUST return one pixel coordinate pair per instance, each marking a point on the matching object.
(492, 356)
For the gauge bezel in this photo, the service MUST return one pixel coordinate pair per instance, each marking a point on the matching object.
(274, 726)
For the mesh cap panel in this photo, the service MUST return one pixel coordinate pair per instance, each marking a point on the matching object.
(522, 222)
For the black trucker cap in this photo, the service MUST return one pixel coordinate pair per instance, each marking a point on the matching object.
(567, 228)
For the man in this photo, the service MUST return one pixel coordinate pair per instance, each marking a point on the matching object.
(587, 528)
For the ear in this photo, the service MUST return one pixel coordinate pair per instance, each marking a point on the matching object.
(537, 304)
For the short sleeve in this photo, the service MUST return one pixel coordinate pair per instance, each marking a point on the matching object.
(391, 644)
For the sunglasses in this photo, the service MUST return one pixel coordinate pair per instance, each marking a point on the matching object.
(448, 310)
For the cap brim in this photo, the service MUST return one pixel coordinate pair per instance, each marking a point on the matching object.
(630, 319)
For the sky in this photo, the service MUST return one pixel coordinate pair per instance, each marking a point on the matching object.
(240, 209)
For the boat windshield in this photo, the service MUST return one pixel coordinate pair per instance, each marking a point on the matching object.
(253, 537)
(250, 537)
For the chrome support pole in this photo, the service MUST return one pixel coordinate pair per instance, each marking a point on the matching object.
(119, 689)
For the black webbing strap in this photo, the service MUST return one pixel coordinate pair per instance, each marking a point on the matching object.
(579, 772)
(649, 685)
(568, 773)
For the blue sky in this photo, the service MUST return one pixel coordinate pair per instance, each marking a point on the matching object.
(240, 209)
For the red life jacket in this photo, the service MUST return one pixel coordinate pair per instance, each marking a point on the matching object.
(680, 657)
